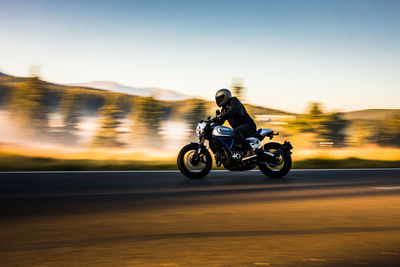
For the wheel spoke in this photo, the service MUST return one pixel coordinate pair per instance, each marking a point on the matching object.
(275, 166)
(189, 163)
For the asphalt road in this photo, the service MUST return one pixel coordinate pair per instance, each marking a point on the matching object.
(309, 218)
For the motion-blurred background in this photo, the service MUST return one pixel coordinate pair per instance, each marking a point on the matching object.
(122, 84)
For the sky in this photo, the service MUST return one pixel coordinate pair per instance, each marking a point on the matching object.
(344, 54)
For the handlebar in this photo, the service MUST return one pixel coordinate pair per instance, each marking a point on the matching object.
(210, 120)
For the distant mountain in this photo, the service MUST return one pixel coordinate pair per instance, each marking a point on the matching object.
(161, 94)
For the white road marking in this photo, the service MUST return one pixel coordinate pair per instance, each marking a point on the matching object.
(177, 171)
(144, 171)
(349, 169)
(386, 187)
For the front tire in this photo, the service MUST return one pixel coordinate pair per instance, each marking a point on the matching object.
(185, 164)
(278, 169)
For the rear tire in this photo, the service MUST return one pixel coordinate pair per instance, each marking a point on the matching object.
(181, 160)
(268, 170)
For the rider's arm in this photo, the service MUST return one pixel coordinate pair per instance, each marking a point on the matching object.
(231, 110)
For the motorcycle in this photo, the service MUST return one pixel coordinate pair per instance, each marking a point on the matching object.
(194, 160)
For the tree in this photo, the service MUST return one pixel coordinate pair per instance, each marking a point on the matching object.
(238, 89)
(389, 132)
(361, 132)
(107, 134)
(332, 129)
(197, 111)
(327, 127)
(28, 105)
(315, 109)
(70, 110)
(147, 115)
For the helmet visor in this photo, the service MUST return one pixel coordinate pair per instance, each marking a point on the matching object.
(219, 99)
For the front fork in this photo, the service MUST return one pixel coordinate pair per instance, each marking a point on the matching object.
(197, 153)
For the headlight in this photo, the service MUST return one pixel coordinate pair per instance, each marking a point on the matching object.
(200, 128)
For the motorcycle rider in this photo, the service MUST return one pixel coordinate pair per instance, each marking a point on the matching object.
(234, 111)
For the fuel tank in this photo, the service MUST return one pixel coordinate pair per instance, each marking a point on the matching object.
(222, 131)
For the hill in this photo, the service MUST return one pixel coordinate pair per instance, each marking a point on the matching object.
(91, 99)
(371, 114)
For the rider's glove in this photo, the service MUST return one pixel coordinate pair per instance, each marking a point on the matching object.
(215, 120)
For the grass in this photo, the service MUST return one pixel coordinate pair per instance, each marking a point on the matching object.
(344, 163)
(9, 162)
(26, 163)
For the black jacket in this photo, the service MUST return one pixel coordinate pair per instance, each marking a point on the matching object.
(235, 113)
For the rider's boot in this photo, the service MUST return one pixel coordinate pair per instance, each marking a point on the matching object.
(250, 153)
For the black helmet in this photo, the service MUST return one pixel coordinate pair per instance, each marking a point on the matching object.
(222, 97)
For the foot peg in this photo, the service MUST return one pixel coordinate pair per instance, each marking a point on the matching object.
(250, 157)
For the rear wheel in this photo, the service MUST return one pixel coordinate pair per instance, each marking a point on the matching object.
(276, 168)
(189, 167)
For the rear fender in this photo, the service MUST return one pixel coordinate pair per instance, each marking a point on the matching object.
(286, 146)
(264, 156)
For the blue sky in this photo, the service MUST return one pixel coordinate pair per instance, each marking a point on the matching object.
(345, 54)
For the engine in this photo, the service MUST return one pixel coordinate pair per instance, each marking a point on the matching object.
(232, 160)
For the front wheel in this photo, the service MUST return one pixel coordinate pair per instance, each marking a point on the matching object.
(189, 167)
(279, 167)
